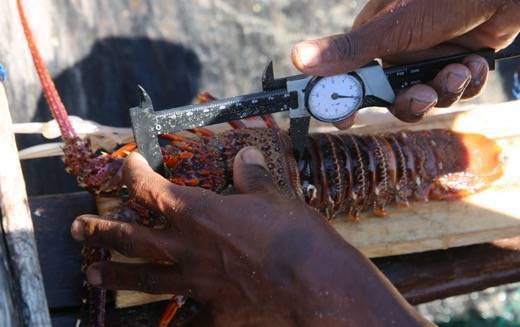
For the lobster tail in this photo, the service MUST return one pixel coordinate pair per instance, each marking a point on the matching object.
(344, 172)
(473, 167)
(350, 173)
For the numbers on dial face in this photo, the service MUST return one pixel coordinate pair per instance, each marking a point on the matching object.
(335, 98)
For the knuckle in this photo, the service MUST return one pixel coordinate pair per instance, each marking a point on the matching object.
(495, 39)
(124, 239)
(344, 47)
(95, 229)
(137, 187)
(460, 70)
(259, 179)
(475, 58)
(177, 202)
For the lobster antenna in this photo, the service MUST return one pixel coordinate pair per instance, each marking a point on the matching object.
(49, 89)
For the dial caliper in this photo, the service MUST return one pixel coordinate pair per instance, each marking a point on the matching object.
(328, 99)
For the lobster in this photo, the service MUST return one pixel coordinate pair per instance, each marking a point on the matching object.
(338, 173)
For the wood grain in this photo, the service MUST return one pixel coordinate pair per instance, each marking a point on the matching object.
(18, 227)
(8, 309)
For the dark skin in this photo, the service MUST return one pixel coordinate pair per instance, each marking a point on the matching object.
(404, 31)
(254, 258)
(259, 258)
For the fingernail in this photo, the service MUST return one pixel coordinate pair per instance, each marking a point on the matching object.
(94, 276)
(309, 54)
(477, 70)
(422, 102)
(456, 83)
(419, 107)
(252, 156)
(77, 230)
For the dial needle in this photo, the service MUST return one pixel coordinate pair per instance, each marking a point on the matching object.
(336, 96)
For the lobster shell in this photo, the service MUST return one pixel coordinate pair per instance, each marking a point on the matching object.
(344, 172)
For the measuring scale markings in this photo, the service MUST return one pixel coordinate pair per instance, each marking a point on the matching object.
(335, 98)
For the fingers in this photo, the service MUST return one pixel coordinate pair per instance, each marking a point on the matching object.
(130, 240)
(454, 82)
(250, 174)
(409, 26)
(148, 278)
(412, 104)
(371, 9)
(153, 191)
(451, 83)
(479, 69)
(331, 55)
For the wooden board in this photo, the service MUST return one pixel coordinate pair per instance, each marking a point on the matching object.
(486, 216)
(17, 228)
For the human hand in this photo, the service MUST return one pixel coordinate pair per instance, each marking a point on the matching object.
(253, 258)
(407, 31)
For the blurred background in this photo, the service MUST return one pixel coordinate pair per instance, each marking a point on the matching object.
(98, 51)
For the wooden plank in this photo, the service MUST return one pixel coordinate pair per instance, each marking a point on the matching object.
(17, 226)
(424, 277)
(484, 217)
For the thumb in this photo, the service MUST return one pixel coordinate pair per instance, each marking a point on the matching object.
(250, 174)
(408, 26)
(338, 53)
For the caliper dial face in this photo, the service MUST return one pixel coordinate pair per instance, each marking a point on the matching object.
(335, 98)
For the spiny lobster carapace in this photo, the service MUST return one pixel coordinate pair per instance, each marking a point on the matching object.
(339, 172)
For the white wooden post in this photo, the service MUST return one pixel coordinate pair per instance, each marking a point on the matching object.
(18, 227)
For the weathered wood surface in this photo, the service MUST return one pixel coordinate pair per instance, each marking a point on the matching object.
(18, 227)
(8, 308)
(484, 217)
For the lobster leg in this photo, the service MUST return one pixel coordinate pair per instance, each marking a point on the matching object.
(169, 313)
(270, 122)
(124, 150)
(202, 132)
